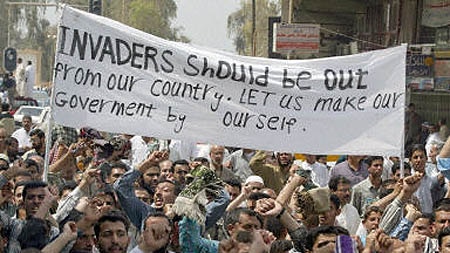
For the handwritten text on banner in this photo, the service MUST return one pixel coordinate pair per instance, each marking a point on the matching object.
(118, 79)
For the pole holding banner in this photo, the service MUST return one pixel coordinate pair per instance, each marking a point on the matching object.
(50, 121)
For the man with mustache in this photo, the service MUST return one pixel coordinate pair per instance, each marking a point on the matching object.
(349, 217)
(37, 201)
(111, 231)
(274, 176)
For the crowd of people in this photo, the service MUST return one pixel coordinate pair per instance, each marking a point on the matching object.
(119, 193)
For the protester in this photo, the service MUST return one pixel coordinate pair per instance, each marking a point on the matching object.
(367, 191)
(30, 76)
(95, 192)
(22, 134)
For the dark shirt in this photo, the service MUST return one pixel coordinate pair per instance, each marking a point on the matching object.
(4, 115)
(343, 169)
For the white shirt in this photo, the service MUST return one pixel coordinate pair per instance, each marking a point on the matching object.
(203, 150)
(181, 150)
(387, 168)
(138, 250)
(29, 80)
(22, 137)
(319, 173)
(20, 79)
(140, 149)
(433, 138)
(349, 218)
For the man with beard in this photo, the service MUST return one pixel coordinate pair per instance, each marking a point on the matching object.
(111, 231)
(165, 194)
(349, 217)
(367, 191)
(181, 169)
(274, 176)
(136, 210)
(150, 178)
(37, 137)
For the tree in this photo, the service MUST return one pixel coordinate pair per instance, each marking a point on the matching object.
(151, 16)
(29, 28)
(240, 26)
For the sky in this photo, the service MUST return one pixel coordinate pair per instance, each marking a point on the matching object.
(205, 22)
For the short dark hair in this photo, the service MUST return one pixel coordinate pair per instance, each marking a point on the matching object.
(396, 167)
(178, 187)
(371, 209)
(37, 132)
(335, 200)
(201, 159)
(29, 162)
(369, 160)
(35, 233)
(417, 147)
(428, 216)
(234, 182)
(107, 192)
(442, 205)
(335, 181)
(68, 185)
(73, 215)
(156, 214)
(274, 225)
(281, 246)
(111, 216)
(5, 107)
(27, 117)
(9, 140)
(120, 165)
(180, 162)
(258, 195)
(32, 185)
(312, 235)
(233, 216)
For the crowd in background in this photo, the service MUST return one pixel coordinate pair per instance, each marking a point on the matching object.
(120, 193)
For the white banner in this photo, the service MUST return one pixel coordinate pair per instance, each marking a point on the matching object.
(115, 78)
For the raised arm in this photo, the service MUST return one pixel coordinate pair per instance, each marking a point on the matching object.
(136, 209)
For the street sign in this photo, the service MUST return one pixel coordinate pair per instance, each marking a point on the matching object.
(301, 38)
